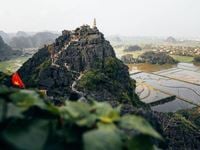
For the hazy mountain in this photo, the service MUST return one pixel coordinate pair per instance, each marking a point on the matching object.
(22, 33)
(113, 39)
(171, 40)
(5, 36)
(6, 51)
(134, 40)
(35, 41)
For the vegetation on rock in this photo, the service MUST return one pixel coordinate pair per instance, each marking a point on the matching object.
(111, 83)
(156, 58)
(150, 57)
(181, 129)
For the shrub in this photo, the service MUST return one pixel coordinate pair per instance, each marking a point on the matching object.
(29, 122)
(92, 79)
(197, 59)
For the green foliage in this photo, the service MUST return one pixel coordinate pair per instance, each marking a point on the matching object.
(191, 115)
(112, 78)
(113, 68)
(185, 59)
(142, 125)
(103, 139)
(3, 76)
(30, 122)
(92, 79)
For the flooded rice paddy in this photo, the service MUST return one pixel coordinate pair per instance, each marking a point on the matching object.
(182, 82)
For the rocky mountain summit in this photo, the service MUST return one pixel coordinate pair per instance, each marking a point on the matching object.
(80, 64)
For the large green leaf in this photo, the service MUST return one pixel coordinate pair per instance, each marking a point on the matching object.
(102, 139)
(13, 111)
(78, 112)
(8, 110)
(26, 135)
(102, 109)
(4, 90)
(132, 122)
(26, 99)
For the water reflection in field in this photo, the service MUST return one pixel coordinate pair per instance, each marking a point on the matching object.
(149, 67)
(182, 80)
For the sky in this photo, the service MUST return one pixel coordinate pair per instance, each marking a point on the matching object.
(179, 18)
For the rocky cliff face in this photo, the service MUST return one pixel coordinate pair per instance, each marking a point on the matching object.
(79, 64)
(80, 49)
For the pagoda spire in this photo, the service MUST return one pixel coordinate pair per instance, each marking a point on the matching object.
(94, 23)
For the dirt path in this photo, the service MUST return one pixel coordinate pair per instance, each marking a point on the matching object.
(76, 91)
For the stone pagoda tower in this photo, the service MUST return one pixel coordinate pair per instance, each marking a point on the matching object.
(94, 23)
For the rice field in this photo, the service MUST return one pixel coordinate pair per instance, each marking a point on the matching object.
(182, 81)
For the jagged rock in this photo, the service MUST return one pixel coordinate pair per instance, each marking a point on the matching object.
(57, 81)
(156, 58)
(86, 47)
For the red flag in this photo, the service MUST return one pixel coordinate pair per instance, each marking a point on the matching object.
(17, 81)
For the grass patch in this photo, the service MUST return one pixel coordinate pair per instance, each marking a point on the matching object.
(185, 59)
(12, 65)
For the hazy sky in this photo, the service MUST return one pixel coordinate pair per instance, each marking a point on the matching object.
(124, 17)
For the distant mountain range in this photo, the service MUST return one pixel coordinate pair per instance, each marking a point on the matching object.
(6, 52)
(127, 40)
(5, 36)
(171, 40)
(21, 39)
